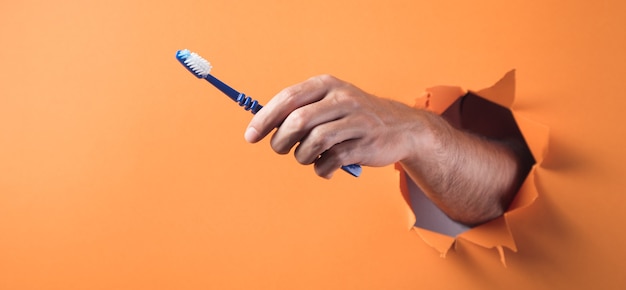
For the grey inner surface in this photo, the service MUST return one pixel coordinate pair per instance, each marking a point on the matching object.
(429, 216)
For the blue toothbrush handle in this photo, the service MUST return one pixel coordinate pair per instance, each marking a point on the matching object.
(253, 106)
(354, 169)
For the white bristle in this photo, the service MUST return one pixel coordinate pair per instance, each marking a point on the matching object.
(198, 64)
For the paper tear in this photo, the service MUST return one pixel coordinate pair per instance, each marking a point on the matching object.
(496, 233)
(502, 92)
(440, 242)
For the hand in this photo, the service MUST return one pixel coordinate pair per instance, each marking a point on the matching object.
(335, 123)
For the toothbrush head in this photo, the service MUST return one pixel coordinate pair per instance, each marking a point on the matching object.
(197, 65)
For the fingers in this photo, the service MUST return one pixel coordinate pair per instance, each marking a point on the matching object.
(339, 155)
(311, 122)
(325, 115)
(325, 136)
(284, 103)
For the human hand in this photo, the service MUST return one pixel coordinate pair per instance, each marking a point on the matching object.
(336, 123)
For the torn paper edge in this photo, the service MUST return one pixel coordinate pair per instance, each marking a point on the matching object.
(495, 233)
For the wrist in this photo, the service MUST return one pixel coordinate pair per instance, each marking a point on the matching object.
(429, 137)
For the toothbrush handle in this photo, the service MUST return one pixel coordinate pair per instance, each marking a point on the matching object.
(253, 106)
(354, 169)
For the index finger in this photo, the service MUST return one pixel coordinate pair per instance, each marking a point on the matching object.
(285, 102)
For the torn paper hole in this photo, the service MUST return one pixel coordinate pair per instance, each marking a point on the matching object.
(467, 110)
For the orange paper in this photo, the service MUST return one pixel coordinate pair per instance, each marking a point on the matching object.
(496, 233)
(119, 170)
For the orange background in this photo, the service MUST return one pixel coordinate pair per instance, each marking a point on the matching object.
(119, 170)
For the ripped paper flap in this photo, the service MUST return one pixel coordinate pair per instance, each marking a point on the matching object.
(496, 233)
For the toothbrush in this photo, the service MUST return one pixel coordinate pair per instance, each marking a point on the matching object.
(201, 68)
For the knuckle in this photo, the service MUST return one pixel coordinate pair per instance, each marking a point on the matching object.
(320, 140)
(289, 95)
(346, 97)
(326, 79)
(297, 120)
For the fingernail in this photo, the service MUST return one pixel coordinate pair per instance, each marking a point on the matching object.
(251, 135)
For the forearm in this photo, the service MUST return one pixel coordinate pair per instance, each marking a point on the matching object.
(332, 123)
(470, 178)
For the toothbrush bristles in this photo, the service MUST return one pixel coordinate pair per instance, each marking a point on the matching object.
(194, 62)
(200, 67)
